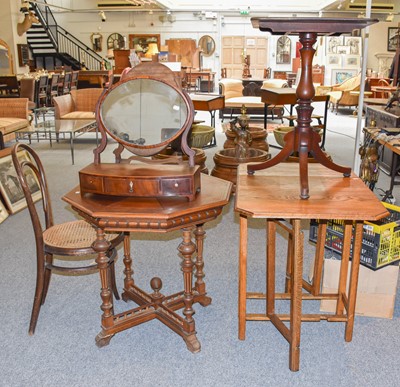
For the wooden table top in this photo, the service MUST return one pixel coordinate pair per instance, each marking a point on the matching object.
(156, 214)
(274, 193)
(284, 96)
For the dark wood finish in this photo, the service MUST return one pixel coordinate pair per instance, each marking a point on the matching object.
(158, 215)
(135, 180)
(95, 79)
(23, 54)
(303, 139)
(288, 96)
(57, 239)
(130, 178)
(272, 194)
(208, 103)
(121, 60)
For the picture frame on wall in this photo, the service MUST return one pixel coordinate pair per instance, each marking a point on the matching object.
(343, 50)
(340, 75)
(352, 61)
(332, 42)
(354, 43)
(3, 212)
(10, 189)
(333, 60)
(393, 38)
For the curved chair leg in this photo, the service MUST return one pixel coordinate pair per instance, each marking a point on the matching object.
(37, 301)
(47, 277)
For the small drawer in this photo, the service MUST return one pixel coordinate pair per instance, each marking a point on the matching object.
(134, 187)
(176, 186)
(91, 183)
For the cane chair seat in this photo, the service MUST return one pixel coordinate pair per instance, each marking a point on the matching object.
(77, 234)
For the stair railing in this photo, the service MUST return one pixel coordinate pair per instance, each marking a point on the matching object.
(64, 42)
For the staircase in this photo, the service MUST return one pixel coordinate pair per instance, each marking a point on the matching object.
(52, 46)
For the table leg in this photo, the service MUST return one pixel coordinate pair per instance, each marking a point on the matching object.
(200, 285)
(72, 135)
(355, 267)
(242, 277)
(347, 235)
(128, 280)
(101, 246)
(187, 249)
(270, 291)
(296, 298)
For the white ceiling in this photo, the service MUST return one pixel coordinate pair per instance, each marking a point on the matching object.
(264, 7)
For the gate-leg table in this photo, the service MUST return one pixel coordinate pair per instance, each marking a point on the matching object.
(272, 194)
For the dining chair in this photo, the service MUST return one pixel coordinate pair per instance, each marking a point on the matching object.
(27, 87)
(42, 90)
(53, 89)
(66, 84)
(71, 239)
(74, 80)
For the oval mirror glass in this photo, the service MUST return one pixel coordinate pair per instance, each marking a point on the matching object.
(144, 113)
(207, 45)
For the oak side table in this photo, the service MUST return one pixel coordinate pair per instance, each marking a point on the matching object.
(272, 195)
(156, 215)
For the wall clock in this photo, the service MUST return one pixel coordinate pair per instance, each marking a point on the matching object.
(283, 49)
(115, 42)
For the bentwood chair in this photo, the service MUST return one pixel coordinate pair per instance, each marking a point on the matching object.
(70, 239)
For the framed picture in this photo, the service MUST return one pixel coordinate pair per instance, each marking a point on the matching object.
(140, 42)
(333, 60)
(331, 44)
(351, 61)
(3, 212)
(393, 38)
(10, 188)
(343, 50)
(354, 43)
(340, 75)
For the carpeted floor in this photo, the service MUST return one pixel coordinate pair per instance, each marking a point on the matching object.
(63, 353)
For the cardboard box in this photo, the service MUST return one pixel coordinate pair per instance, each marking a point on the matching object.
(376, 293)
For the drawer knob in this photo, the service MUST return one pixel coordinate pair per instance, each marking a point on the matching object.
(176, 185)
(131, 186)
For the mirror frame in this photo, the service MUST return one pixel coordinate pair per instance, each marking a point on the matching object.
(93, 37)
(203, 42)
(159, 73)
(10, 57)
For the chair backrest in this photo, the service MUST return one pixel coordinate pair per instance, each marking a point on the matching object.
(32, 178)
(85, 100)
(74, 80)
(27, 88)
(66, 83)
(231, 88)
(54, 82)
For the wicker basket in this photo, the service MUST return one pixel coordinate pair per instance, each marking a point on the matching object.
(202, 135)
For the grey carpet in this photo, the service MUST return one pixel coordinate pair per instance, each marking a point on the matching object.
(63, 353)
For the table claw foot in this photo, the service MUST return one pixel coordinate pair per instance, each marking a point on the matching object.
(192, 343)
(103, 339)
